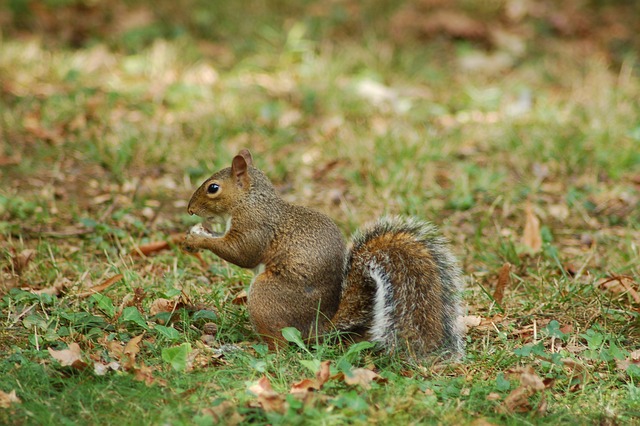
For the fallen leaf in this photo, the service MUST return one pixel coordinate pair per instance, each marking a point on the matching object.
(100, 369)
(531, 236)
(101, 287)
(55, 289)
(115, 349)
(518, 400)
(9, 161)
(144, 373)
(72, 356)
(21, 261)
(633, 358)
(241, 298)
(147, 249)
(131, 350)
(224, 413)
(542, 405)
(493, 396)
(362, 377)
(471, 321)
(138, 296)
(324, 373)
(503, 281)
(6, 399)
(532, 380)
(621, 284)
(305, 386)
(162, 305)
(269, 399)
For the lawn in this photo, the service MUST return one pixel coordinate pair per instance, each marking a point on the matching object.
(514, 128)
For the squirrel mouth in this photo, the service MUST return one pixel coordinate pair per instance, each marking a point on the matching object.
(213, 227)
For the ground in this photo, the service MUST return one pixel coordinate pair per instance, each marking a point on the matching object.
(512, 125)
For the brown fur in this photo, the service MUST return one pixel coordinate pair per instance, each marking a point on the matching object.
(302, 250)
(398, 284)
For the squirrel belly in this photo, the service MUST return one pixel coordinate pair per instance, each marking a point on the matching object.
(402, 289)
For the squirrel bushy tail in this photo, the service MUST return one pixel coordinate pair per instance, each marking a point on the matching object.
(402, 289)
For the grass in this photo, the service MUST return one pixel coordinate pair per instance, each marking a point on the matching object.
(103, 144)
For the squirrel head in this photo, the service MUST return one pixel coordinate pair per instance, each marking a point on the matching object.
(224, 190)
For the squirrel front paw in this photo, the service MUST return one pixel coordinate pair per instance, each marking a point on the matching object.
(198, 237)
(188, 244)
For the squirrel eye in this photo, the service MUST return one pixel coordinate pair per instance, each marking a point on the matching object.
(213, 188)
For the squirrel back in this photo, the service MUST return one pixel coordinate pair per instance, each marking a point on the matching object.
(402, 288)
(397, 284)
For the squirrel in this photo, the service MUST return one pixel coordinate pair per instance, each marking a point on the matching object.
(397, 284)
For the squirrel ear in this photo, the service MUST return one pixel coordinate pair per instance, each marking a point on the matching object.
(239, 167)
(244, 153)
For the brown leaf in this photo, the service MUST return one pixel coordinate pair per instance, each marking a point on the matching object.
(144, 373)
(162, 305)
(621, 284)
(634, 358)
(55, 289)
(493, 396)
(6, 399)
(101, 287)
(362, 377)
(115, 349)
(269, 399)
(147, 249)
(224, 413)
(471, 321)
(518, 400)
(532, 380)
(9, 161)
(100, 368)
(21, 260)
(503, 280)
(304, 387)
(72, 356)
(324, 373)
(241, 298)
(531, 237)
(131, 350)
(138, 296)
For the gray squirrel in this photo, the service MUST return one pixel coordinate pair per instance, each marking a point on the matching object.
(397, 284)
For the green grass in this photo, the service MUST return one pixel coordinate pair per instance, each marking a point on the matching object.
(102, 145)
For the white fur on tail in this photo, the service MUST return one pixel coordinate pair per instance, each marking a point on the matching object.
(382, 326)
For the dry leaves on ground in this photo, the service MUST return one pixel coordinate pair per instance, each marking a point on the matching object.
(621, 285)
(632, 359)
(240, 298)
(101, 287)
(268, 399)
(72, 356)
(531, 237)
(6, 399)
(503, 281)
(518, 400)
(20, 261)
(305, 387)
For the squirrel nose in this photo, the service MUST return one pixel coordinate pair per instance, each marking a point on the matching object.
(190, 210)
